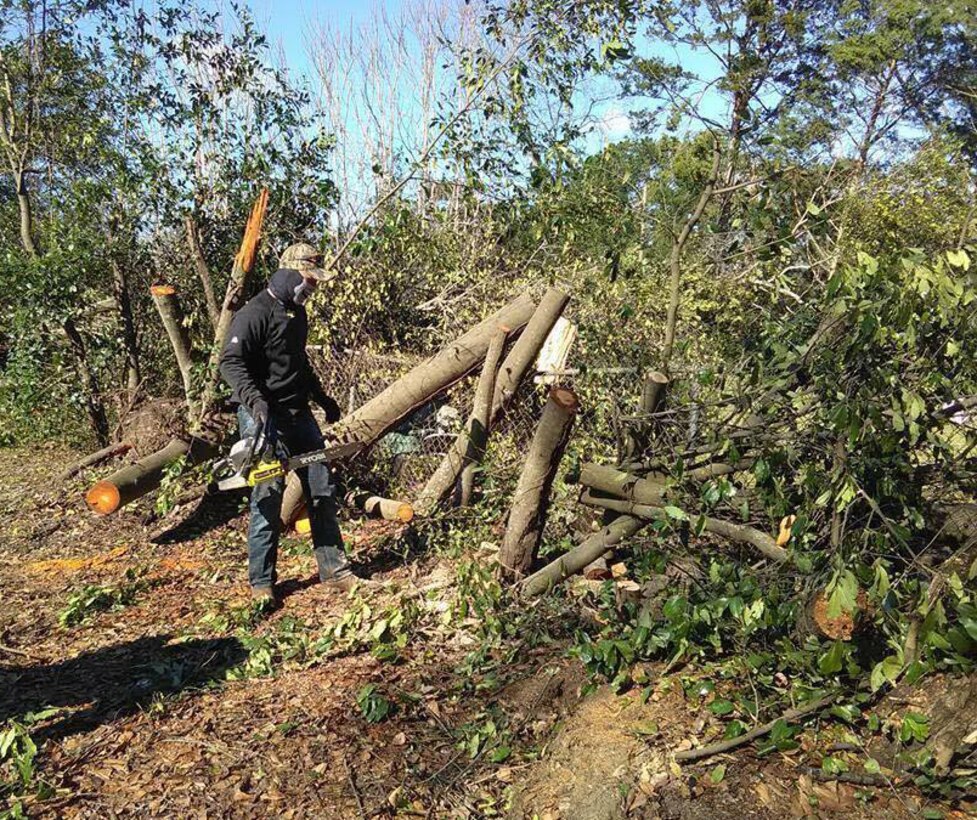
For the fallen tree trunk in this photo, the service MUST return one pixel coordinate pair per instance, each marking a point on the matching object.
(375, 506)
(168, 305)
(145, 475)
(530, 503)
(481, 418)
(526, 349)
(97, 457)
(612, 481)
(427, 380)
(467, 448)
(580, 556)
(741, 533)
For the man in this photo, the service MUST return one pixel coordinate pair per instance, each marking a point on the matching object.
(272, 383)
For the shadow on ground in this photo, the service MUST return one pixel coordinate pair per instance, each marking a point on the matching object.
(110, 682)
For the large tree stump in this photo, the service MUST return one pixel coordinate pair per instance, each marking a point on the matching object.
(526, 349)
(429, 379)
(468, 447)
(581, 555)
(531, 501)
(145, 475)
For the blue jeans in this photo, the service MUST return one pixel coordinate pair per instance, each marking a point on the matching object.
(291, 434)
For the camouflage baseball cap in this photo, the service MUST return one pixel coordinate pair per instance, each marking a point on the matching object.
(306, 260)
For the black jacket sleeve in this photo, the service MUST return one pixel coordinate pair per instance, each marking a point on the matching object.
(318, 395)
(245, 342)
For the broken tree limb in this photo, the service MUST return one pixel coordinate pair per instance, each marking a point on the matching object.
(429, 379)
(233, 297)
(375, 506)
(293, 501)
(580, 556)
(113, 450)
(753, 734)
(470, 442)
(530, 503)
(145, 475)
(168, 305)
(527, 347)
(478, 423)
(612, 481)
(740, 533)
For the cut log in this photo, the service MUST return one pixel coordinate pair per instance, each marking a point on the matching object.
(145, 475)
(740, 533)
(376, 506)
(237, 287)
(612, 481)
(581, 555)
(478, 424)
(653, 392)
(97, 457)
(469, 445)
(168, 305)
(526, 349)
(429, 379)
(530, 503)
(293, 502)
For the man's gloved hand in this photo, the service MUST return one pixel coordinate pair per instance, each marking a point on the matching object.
(259, 412)
(331, 408)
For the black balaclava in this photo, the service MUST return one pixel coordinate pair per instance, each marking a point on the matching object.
(289, 287)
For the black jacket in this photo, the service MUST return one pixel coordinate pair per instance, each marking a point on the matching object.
(264, 358)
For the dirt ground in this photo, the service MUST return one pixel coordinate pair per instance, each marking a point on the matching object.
(176, 701)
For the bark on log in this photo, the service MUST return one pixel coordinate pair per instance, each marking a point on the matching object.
(530, 503)
(653, 392)
(480, 421)
(168, 305)
(741, 533)
(581, 555)
(375, 506)
(145, 475)
(97, 457)
(233, 297)
(469, 445)
(526, 348)
(427, 380)
(612, 481)
(293, 501)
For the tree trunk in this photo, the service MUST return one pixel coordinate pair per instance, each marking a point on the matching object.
(145, 475)
(531, 500)
(26, 215)
(129, 339)
(526, 348)
(481, 417)
(236, 288)
(375, 506)
(203, 271)
(675, 258)
(93, 394)
(467, 448)
(97, 457)
(427, 380)
(168, 305)
(583, 554)
(740, 533)
(653, 391)
(613, 482)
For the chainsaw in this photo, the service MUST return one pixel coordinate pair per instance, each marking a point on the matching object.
(248, 464)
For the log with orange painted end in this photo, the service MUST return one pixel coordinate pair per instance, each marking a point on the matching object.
(136, 480)
(375, 506)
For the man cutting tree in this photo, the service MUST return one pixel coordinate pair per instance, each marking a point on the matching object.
(272, 383)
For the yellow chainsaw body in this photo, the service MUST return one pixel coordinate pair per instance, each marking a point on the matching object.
(265, 471)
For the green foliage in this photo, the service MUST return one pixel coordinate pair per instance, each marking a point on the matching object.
(374, 707)
(18, 764)
(92, 599)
